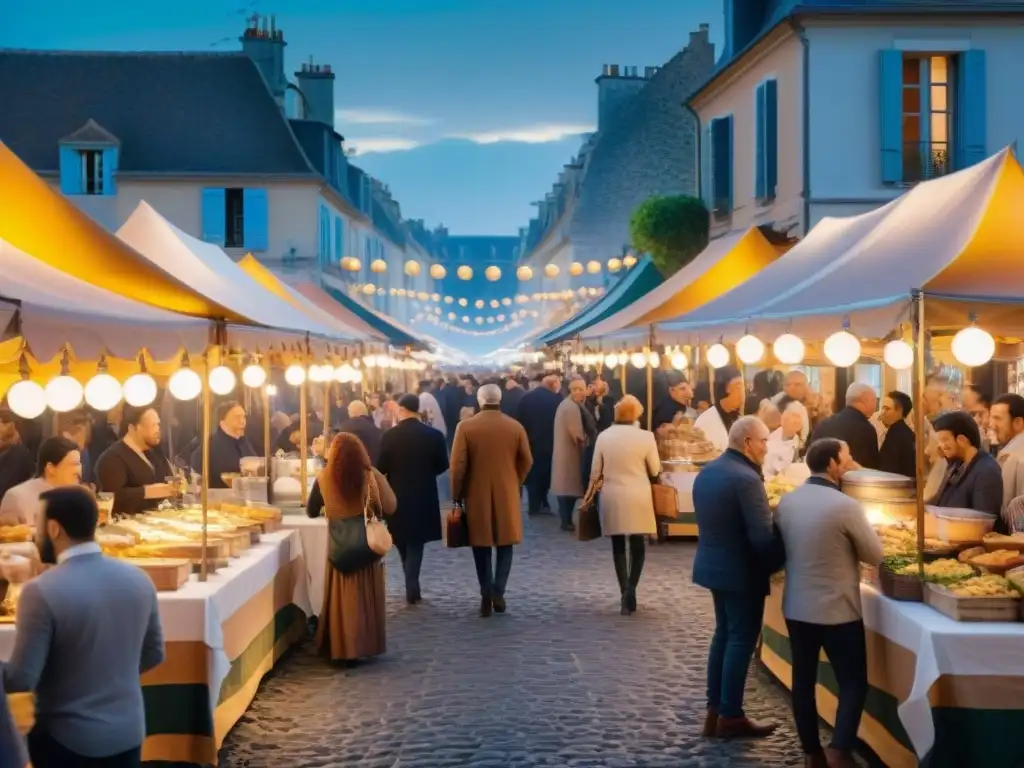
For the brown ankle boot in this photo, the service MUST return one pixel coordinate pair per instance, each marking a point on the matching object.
(710, 724)
(743, 728)
(836, 759)
(817, 760)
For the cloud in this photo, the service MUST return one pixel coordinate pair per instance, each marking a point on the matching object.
(380, 144)
(536, 134)
(372, 116)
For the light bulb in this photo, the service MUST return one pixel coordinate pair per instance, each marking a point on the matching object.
(185, 384)
(654, 359)
(464, 273)
(254, 376)
(524, 273)
(788, 349)
(842, 349)
(638, 360)
(63, 393)
(412, 268)
(103, 392)
(271, 390)
(718, 355)
(316, 374)
(612, 361)
(593, 267)
(973, 346)
(898, 355)
(222, 380)
(295, 375)
(749, 349)
(345, 373)
(551, 270)
(679, 361)
(26, 399)
(492, 273)
(140, 390)
(438, 272)
(370, 361)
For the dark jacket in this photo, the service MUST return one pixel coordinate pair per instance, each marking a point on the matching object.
(510, 400)
(738, 548)
(978, 486)
(367, 432)
(853, 427)
(603, 412)
(537, 415)
(665, 412)
(898, 452)
(412, 455)
(16, 466)
(226, 454)
(122, 472)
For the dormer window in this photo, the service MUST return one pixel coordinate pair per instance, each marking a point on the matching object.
(88, 161)
(92, 171)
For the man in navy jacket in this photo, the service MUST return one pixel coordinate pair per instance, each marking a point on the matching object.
(737, 552)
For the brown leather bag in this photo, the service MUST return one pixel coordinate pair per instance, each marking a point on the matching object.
(456, 532)
(588, 525)
(666, 501)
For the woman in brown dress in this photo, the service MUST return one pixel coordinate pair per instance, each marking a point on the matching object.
(352, 619)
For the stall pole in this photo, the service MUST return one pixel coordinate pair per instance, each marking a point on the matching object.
(917, 315)
(303, 436)
(205, 488)
(327, 412)
(622, 374)
(711, 379)
(266, 431)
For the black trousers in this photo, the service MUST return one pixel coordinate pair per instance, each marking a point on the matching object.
(628, 568)
(846, 648)
(45, 752)
(492, 583)
(412, 561)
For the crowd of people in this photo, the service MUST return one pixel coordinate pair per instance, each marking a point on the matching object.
(87, 625)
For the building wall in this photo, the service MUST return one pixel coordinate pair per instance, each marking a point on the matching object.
(845, 135)
(779, 58)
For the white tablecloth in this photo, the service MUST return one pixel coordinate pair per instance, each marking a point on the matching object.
(198, 610)
(313, 532)
(683, 483)
(942, 647)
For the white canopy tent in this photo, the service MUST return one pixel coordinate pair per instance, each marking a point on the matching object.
(862, 271)
(211, 272)
(56, 309)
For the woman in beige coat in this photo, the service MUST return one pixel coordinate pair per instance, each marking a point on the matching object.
(625, 460)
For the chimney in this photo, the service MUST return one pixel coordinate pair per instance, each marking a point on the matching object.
(264, 43)
(316, 83)
(617, 85)
(700, 37)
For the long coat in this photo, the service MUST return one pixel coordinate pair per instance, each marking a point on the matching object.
(490, 460)
(412, 455)
(626, 457)
(570, 442)
(536, 413)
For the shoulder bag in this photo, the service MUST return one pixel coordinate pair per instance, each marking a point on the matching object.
(356, 542)
(666, 500)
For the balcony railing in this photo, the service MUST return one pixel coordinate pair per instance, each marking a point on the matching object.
(923, 161)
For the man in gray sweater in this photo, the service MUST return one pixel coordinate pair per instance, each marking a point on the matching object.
(827, 536)
(87, 628)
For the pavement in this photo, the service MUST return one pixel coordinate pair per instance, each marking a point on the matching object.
(560, 680)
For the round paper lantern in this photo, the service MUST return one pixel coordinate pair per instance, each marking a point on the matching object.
(524, 273)
(140, 390)
(449, 300)
(316, 374)
(63, 394)
(103, 392)
(479, 320)
(438, 272)
(479, 303)
(718, 355)
(629, 260)
(422, 295)
(972, 346)
(593, 267)
(575, 269)
(614, 265)
(412, 268)
(345, 373)
(501, 318)
(898, 355)
(612, 361)
(222, 380)
(495, 303)
(464, 272)
(435, 297)
(638, 359)
(679, 361)
(506, 302)
(26, 399)
(465, 318)
(254, 376)
(842, 349)
(451, 315)
(492, 273)
(369, 290)
(369, 361)
(522, 298)
(788, 349)
(551, 270)
(185, 384)
(749, 349)
(295, 375)
(378, 266)
(351, 264)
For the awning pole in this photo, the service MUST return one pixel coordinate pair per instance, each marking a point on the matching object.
(917, 318)
(205, 488)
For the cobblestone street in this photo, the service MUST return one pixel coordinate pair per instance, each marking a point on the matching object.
(560, 680)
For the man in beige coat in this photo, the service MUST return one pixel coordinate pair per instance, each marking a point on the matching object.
(490, 461)
(567, 459)
(1007, 418)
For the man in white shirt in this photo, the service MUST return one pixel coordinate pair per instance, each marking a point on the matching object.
(783, 443)
(826, 536)
(59, 463)
(795, 391)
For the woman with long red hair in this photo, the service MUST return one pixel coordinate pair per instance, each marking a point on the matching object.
(352, 618)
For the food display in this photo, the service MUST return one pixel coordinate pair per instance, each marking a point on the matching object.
(685, 442)
(999, 541)
(943, 571)
(901, 539)
(15, 534)
(988, 585)
(776, 488)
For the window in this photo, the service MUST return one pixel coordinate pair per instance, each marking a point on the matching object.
(766, 170)
(92, 171)
(721, 167)
(234, 218)
(928, 99)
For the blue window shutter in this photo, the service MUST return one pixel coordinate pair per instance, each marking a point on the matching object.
(337, 238)
(760, 129)
(707, 182)
(728, 159)
(971, 144)
(70, 171)
(254, 219)
(214, 210)
(771, 138)
(109, 165)
(890, 91)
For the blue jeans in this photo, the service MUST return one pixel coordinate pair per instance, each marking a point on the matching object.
(566, 505)
(738, 619)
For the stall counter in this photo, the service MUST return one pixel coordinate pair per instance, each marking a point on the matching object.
(313, 531)
(949, 691)
(685, 523)
(221, 638)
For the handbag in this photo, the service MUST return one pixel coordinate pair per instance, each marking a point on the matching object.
(356, 542)
(666, 501)
(588, 525)
(456, 532)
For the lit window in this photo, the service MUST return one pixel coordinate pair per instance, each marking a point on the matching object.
(928, 100)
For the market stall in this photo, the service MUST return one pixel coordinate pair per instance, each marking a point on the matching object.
(313, 532)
